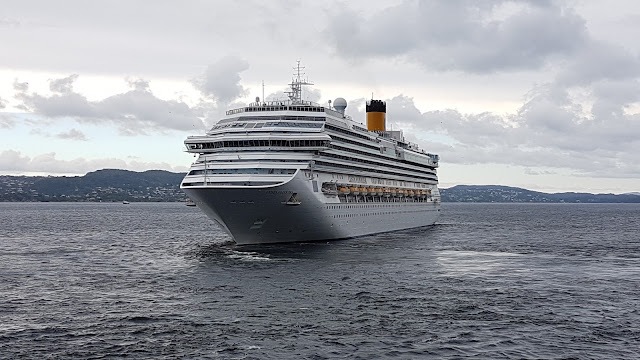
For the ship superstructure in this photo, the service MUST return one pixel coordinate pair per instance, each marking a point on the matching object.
(294, 170)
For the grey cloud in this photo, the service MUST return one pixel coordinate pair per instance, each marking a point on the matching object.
(20, 86)
(221, 80)
(134, 111)
(599, 61)
(64, 85)
(72, 134)
(454, 35)
(612, 97)
(149, 38)
(3, 103)
(139, 85)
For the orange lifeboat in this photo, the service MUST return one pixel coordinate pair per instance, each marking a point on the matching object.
(394, 192)
(363, 190)
(401, 192)
(344, 190)
(354, 190)
(378, 191)
(386, 192)
(410, 193)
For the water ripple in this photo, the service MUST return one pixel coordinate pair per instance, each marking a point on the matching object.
(494, 281)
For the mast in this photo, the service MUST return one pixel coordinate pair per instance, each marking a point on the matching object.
(295, 94)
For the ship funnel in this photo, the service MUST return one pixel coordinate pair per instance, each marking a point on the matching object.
(376, 115)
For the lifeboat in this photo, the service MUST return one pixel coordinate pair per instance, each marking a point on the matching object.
(363, 190)
(394, 192)
(371, 191)
(401, 192)
(379, 191)
(354, 190)
(386, 192)
(422, 194)
(344, 190)
(410, 193)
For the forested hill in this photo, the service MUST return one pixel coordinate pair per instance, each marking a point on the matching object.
(496, 193)
(101, 185)
(160, 185)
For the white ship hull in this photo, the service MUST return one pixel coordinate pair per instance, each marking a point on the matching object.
(266, 214)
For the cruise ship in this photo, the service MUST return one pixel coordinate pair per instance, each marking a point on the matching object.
(294, 170)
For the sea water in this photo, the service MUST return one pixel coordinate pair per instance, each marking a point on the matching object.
(553, 281)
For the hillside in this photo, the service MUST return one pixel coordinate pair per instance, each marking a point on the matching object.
(101, 185)
(496, 193)
(160, 185)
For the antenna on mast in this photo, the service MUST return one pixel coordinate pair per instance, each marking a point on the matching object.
(263, 99)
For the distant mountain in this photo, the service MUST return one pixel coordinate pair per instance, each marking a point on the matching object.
(496, 193)
(160, 185)
(101, 185)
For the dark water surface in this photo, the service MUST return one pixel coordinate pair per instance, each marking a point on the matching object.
(161, 281)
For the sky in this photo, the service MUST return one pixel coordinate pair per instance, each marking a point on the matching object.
(538, 94)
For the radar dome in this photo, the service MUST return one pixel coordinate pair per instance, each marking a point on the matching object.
(340, 104)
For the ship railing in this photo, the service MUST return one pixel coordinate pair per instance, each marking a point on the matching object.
(288, 105)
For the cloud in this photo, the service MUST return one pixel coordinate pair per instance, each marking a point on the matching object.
(467, 36)
(6, 121)
(9, 23)
(3, 103)
(16, 162)
(20, 86)
(72, 134)
(543, 134)
(134, 111)
(221, 80)
(138, 110)
(530, 171)
(599, 61)
(308, 94)
(64, 85)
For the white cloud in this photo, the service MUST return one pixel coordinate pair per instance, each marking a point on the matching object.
(72, 134)
(134, 112)
(530, 171)
(15, 162)
(6, 121)
(543, 135)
